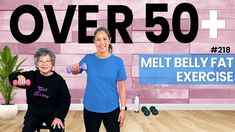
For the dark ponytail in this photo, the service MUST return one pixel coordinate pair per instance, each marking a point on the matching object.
(110, 48)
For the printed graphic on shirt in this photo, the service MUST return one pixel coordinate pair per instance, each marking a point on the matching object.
(41, 92)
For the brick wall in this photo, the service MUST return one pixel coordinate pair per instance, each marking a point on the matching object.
(72, 51)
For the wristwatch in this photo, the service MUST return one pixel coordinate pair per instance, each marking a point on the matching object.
(123, 108)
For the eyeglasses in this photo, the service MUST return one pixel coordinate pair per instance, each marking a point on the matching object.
(44, 62)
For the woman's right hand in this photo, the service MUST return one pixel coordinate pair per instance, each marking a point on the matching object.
(21, 80)
(75, 68)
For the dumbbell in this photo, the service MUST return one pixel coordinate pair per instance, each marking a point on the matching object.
(145, 110)
(83, 67)
(153, 110)
(27, 82)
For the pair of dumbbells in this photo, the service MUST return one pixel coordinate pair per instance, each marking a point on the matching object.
(83, 67)
(152, 109)
(27, 82)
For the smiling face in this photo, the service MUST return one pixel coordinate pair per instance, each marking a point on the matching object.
(102, 42)
(44, 64)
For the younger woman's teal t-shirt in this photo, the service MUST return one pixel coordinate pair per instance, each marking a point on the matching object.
(101, 94)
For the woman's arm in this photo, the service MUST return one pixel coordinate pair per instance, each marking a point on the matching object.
(122, 96)
(63, 101)
(20, 77)
(122, 92)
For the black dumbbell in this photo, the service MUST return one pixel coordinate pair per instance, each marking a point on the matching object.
(153, 110)
(145, 110)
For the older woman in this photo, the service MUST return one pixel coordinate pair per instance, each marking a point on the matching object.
(105, 86)
(48, 97)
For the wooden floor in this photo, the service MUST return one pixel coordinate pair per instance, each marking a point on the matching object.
(165, 121)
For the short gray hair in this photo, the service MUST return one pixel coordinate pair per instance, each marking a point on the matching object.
(44, 52)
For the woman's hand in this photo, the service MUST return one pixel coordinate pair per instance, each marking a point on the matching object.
(121, 117)
(75, 68)
(21, 80)
(57, 122)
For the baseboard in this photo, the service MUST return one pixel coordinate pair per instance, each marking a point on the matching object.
(162, 106)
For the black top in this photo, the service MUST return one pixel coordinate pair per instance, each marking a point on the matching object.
(46, 91)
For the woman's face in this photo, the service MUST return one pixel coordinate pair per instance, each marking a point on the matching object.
(44, 64)
(102, 42)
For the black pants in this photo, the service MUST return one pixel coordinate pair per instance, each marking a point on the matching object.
(93, 120)
(35, 116)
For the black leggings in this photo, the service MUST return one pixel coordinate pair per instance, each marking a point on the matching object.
(34, 119)
(93, 120)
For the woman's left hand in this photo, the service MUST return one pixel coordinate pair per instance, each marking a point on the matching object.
(57, 122)
(121, 117)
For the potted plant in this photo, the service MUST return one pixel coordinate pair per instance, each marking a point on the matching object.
(8, 64)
